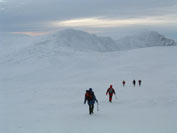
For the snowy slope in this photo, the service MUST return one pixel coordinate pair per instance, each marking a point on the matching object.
(43, 91)
(11, 42)
(144, 39)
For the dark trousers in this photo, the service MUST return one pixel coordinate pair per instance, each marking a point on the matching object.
(91, 108)
(110, 97)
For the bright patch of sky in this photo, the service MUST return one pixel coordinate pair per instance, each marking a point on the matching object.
(106, 23)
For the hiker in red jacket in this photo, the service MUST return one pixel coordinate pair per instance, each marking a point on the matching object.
(111, 91)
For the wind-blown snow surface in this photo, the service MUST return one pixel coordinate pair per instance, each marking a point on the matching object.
(43, 91)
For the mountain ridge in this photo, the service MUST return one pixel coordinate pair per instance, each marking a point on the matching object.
(84, 41)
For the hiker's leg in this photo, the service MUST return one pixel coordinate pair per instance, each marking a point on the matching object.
(90, 109)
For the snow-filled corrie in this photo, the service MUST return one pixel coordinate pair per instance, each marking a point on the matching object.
(42, 91)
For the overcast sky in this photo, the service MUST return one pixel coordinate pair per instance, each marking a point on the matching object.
(104, 17)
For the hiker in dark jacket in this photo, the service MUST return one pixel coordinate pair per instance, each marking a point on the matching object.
(134, 83)
(90, 98)
(111, 91)
(139, 81)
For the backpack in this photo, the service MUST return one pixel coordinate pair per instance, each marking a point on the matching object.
(111, 90)
(89, 95)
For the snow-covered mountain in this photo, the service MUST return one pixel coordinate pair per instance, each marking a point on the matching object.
(80, 40)
(84, 41)
(144, 39)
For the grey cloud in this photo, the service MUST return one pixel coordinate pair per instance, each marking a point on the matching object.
(22, 15)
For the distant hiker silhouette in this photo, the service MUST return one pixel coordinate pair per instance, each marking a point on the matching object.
(139, 81)
(111, 91)
(90, 98)
(134, 83)
(123, 82)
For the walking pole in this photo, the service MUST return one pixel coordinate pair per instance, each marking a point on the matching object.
(97, 107)
(116, 97)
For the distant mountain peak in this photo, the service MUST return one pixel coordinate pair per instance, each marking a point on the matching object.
(82, 40)
(144, 39)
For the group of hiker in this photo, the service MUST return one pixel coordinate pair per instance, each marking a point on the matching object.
(90, 97)
(134, 82)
